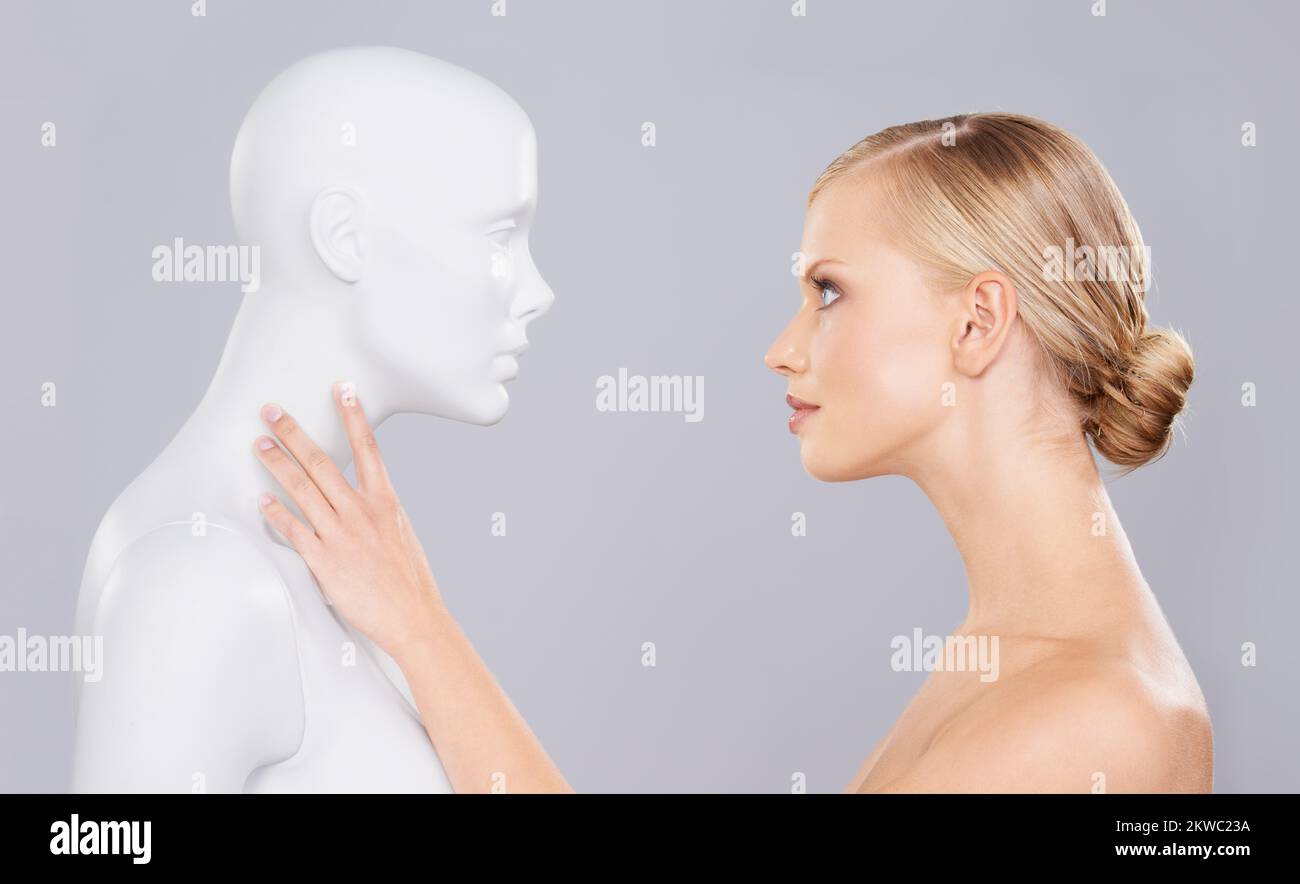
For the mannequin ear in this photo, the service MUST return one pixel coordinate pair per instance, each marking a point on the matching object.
(336, 231)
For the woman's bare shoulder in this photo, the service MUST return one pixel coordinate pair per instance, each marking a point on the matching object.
(1075, 721)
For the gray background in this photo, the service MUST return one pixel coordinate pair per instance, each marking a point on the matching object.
(624, 528)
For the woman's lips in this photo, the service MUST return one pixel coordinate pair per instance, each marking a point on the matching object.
(801, 411)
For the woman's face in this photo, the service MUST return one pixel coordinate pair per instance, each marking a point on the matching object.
(870, 346)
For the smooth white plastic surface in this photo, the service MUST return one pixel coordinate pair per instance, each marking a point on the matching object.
(390, 195)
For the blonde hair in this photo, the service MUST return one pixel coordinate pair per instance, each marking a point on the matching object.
(994, 191)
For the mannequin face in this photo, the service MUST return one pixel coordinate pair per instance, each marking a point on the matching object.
(868, 345)
(392, 196)
(449, 284)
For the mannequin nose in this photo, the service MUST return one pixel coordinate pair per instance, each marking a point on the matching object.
(534, 299)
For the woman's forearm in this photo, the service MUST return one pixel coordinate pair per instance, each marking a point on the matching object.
(484, 743)
(362, 550)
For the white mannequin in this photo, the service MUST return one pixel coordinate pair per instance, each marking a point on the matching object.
(391, 195)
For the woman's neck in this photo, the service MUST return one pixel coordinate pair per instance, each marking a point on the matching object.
(1044, 550)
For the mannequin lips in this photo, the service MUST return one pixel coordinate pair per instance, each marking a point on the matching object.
(801, 411)
(507, 365)
(506, 361)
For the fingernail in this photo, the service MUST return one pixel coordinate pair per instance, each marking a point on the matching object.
(264, 500)
(271, 413)
(266, 443)
(347, 392)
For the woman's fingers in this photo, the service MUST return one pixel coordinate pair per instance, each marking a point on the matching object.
(371, 473)
(317, 464)
(299, 535)
(300, 486)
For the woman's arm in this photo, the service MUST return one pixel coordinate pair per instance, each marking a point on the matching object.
(483, 740)
(371, 567)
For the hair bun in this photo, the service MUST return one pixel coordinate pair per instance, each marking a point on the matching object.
(1138, 407)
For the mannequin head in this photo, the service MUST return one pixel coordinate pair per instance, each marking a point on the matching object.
(936, 323)
(391, 196)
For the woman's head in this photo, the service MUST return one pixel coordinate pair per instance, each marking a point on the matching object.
(923, 246)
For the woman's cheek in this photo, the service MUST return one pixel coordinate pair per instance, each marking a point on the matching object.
(849, 387)
(865, 368)
(887, 387)
(838, 360)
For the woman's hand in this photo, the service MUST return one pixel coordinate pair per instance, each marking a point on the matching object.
(360, 545)
(370, 566)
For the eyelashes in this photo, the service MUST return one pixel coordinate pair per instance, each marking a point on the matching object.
(824, 287)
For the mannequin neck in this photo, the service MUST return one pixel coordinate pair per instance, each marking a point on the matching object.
(289, 349)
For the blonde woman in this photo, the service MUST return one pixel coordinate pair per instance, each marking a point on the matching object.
(952, 329)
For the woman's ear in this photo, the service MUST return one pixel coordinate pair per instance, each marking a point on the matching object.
(987, 312)
(336, 231)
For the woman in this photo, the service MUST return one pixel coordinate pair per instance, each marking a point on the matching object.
(972, 313)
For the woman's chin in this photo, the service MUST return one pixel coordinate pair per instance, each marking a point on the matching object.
(820, 468)
(830, 469)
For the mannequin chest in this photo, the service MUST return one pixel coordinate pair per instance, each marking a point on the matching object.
(362, 731)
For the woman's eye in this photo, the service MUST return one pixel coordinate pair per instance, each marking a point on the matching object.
(828, 293)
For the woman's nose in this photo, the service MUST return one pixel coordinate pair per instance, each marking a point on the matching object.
(785, 357)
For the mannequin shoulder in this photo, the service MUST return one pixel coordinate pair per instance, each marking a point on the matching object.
(209, 593)
(199, 667)
(218, 573)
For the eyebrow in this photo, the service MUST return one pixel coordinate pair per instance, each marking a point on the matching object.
(811, 270)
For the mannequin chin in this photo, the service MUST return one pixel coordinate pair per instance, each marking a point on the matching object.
(390, 197)
(483, 408)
